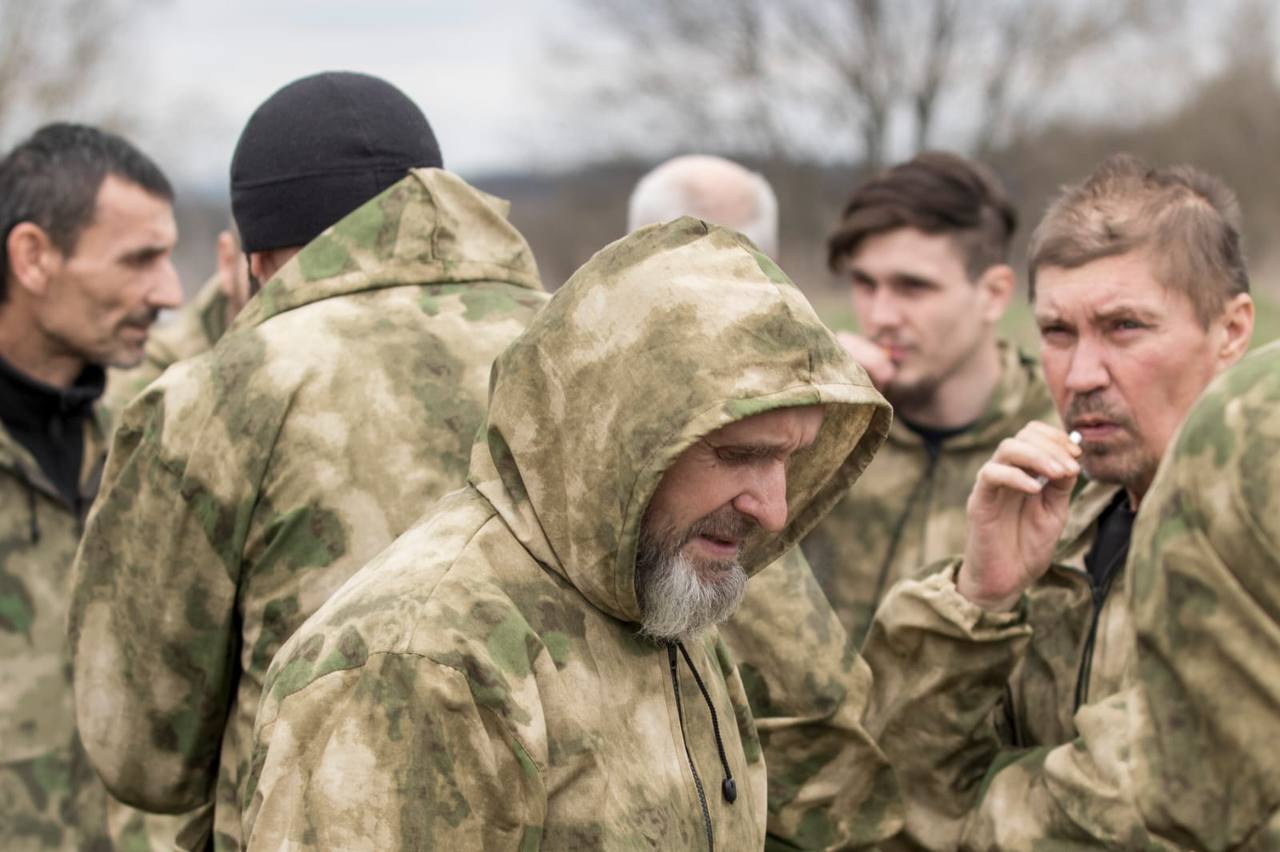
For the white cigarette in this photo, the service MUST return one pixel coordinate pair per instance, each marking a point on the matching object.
(1075, 438)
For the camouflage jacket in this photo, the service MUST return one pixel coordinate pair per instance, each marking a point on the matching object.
(246, 484)
(49, 796)
(830, 786)
(195, 329)
(909, 509)
(1070, 638)
(482, 685)
(1186, 755)
(1072, 652)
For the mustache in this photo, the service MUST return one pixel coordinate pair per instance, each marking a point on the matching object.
(1095, 405)
(725, 523)
(143, 318)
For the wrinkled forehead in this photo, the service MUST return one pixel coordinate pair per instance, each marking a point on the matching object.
(126, 215)
(1103, 288)
(791, 428)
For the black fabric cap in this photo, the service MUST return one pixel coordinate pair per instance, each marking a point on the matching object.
(319, 148)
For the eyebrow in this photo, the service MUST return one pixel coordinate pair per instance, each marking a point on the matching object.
(144, 253)
(1121, 311)
(895, 278)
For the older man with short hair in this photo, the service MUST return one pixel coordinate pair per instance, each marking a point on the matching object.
(711, 188)
(88, 231)
(1141, 295)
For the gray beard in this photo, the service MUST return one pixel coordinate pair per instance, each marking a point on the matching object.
(675, 603)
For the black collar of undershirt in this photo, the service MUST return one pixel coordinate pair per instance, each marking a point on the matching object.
(933, 437)
(1111, 544)
(27, 402)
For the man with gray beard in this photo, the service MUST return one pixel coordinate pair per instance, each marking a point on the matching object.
(513, 672)
(680, 593)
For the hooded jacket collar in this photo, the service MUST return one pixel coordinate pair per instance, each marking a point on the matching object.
(430, 227)
(658, 340)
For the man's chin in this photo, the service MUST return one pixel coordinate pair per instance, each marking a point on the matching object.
(125, 357)
(1114, 467)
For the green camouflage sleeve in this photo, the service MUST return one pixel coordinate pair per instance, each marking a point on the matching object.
(940, 665)
(152, 625)
(1206, 600)
(829, 784)
(394, 753)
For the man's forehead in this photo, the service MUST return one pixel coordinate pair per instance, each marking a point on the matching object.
(781, 426)
(1109, 285)
(126, 213)
(906, 250)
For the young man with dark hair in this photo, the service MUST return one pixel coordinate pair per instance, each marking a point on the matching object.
(87, 230)
(1141, 296)
(924, 247)
(248, 483)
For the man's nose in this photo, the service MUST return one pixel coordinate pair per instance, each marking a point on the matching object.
(884, 310)
(1088, 369)
(765, 498)
(166, 290)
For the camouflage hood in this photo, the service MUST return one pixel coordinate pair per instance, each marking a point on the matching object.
(661, 338)
(430, 227)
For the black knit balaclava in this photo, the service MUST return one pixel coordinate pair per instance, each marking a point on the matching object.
(319, 148)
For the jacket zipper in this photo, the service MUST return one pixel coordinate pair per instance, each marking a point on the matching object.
(697, 780)
(1098, 595)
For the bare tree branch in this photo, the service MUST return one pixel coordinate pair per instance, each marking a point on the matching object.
(57, 58)
(860, 77)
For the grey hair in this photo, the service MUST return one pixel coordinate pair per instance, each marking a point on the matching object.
(711, 188)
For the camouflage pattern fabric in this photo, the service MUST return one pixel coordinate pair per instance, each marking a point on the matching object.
(1185, 756)
(50, 798)
(830, 786)
(940, 667)
(1041, 701)
(194, 330)
(1038, 704)
(909, 511)
(245, 485)
(1206, 604)
(481, 684)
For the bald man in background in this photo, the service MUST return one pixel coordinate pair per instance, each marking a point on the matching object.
(809, 716)
(711, 188)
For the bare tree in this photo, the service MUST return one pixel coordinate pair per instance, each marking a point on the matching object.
(834, 79)
(56, 58)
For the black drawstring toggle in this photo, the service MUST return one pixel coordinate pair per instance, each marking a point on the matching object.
(729, 787)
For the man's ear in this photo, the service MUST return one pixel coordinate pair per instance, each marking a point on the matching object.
(228, 258)
(996, 285)
(1233, 329)
(33, 258)
(233, 274)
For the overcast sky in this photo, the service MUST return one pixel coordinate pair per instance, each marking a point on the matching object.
(473, 67)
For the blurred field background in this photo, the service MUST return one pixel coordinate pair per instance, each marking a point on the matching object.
(559, 106)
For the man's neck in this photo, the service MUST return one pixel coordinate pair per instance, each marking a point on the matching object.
(30, 351)
(961, 398)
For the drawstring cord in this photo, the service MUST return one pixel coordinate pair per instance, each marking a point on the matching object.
(728, 787)
(31, 506)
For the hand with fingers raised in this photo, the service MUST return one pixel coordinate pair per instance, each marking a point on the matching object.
(1016, 512)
